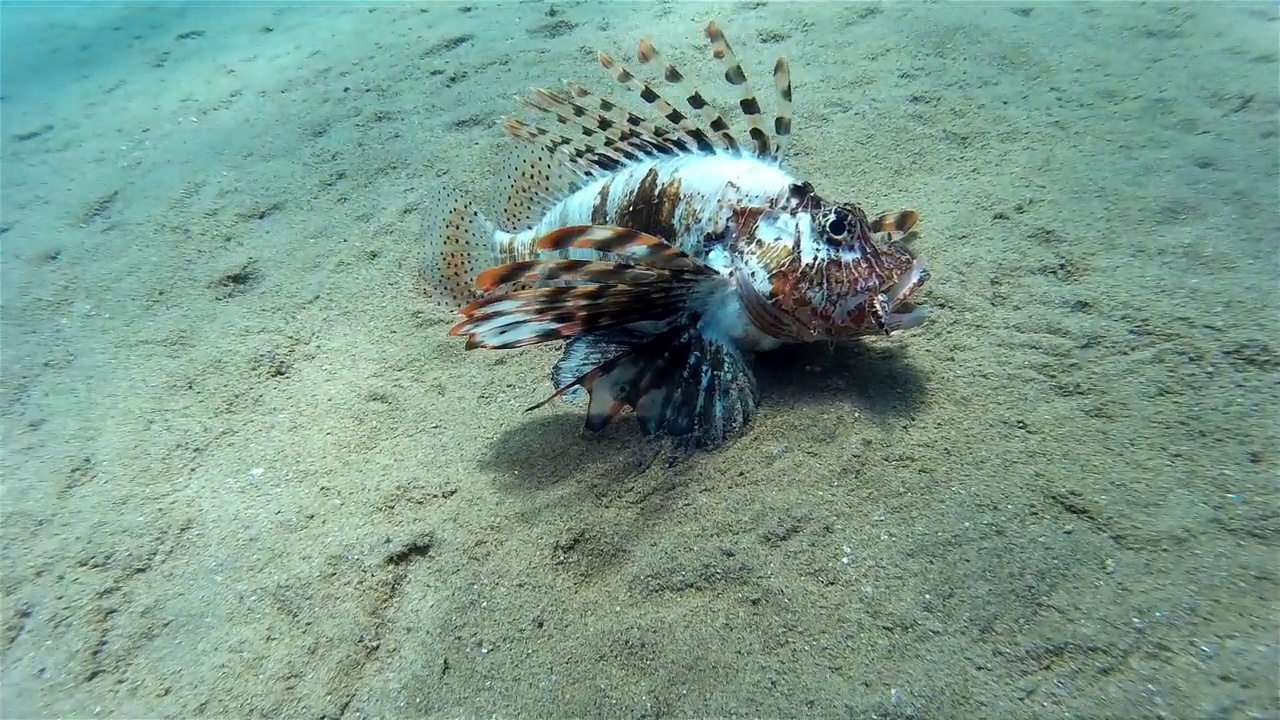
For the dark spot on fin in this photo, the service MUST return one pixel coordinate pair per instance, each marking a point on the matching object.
(647, 53)
(536, 179)
(683, 384)
(659, 104)
(895, 222)
(736, 76)
(782, 121)
(459, 244)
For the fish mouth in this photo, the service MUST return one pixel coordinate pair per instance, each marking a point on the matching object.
(904, 314)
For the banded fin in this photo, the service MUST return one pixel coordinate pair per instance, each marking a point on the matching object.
(568, 271)
(681, 382)
(618, 139)
(670, 73)
(895, 222)
(747, 102)
(585, 159)
(545, 314)
(600, 139)
(896, 229)
(782, 120)
(459, 244)
(663, 107)
(658, 285)
(633, 128)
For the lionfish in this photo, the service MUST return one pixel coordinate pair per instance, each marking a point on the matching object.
(666, 251)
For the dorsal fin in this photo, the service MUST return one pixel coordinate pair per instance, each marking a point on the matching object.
(619, 139)
(660, 104)
(782, 121)
(536, 179)
(737, 77)
(598, 135)
(714, 120)
(584, 159)
(642, 129)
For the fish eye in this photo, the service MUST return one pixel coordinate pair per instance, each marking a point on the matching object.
(837, 226)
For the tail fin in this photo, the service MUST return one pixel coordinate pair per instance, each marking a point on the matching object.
(460, 244)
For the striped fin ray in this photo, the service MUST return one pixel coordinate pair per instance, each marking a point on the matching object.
(714, 120)
(599, 272)
(606, 135)
(896, 228)
(737, 77)
(682, 383)
(589, 295)
(782, 121)
(895, 222)
(641, 130)
(663, 107)
(546, 314)
(586, 160)
(619, 140)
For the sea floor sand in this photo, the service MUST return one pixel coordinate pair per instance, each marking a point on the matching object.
(246, 473)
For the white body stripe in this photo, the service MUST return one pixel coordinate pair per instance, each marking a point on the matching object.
(710, 186)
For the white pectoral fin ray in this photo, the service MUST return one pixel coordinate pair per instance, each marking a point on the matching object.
(681, 382)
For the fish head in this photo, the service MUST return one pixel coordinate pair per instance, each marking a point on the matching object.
(819, 270)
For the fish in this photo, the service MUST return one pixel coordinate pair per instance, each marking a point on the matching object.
(665, 248)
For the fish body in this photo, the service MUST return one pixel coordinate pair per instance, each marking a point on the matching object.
(666, 251)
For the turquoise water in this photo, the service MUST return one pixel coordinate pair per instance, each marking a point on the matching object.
(247, 473)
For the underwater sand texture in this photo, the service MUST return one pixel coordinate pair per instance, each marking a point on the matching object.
(246, 473)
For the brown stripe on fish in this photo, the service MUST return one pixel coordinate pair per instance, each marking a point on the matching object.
(509, 272)
(600, 208)
(650, 208)
(736, 76)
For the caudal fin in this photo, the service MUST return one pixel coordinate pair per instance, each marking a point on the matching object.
(459, 244)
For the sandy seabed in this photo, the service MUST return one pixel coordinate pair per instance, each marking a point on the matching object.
(246, 473)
